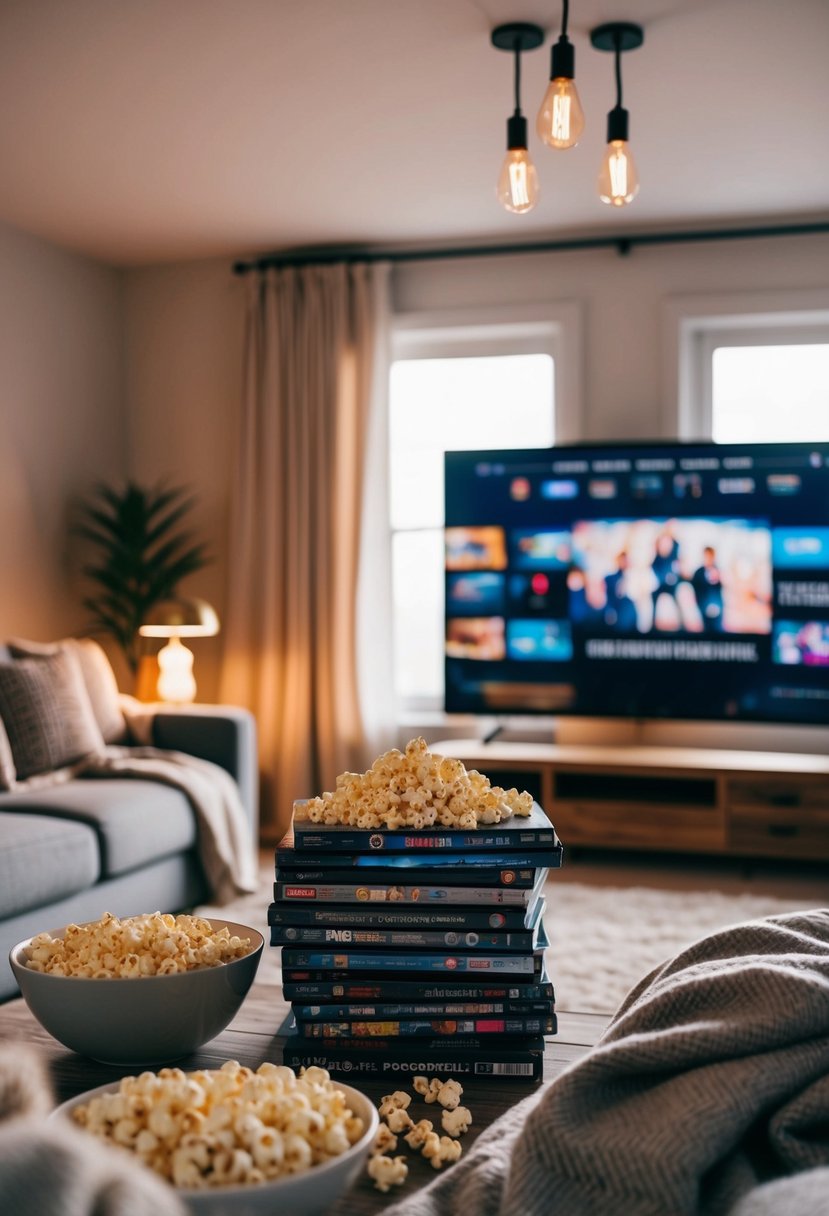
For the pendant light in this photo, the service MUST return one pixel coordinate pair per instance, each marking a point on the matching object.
(517, 188)
(560, 120)
(618, 180)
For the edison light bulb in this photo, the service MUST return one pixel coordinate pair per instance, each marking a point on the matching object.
(618, 179)
(560, 120)
(517, 187)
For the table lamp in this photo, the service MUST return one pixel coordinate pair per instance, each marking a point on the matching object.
(177, 619)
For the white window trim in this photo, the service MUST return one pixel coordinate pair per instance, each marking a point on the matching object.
(692, 326)
(549, 328)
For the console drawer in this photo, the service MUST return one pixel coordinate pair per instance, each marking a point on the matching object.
(782, 831)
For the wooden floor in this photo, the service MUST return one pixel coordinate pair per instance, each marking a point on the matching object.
(252, 1038)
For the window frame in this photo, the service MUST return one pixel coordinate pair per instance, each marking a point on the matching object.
(694, 326)
(554, 329)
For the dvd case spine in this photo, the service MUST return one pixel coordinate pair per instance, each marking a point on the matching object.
(389, 1012)
(477, 876)
(405, 893)
(416, 961)
(405, 939)
(491, 1060)
(421, 1028)
(386, 916)
(323, 989)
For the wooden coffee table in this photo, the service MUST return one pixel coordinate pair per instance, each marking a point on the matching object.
(252, 1038)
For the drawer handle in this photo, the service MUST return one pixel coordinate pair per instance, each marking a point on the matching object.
(784, 800)
(783, 829)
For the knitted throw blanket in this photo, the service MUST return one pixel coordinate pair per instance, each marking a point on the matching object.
(711, 1082)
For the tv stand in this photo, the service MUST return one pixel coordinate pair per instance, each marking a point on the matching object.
(683, 799)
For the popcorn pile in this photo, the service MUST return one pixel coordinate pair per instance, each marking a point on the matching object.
(387, 1171)
(150, 944)
(225, 1127)
(414, 789)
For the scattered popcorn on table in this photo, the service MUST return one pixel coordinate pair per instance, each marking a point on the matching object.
(150, 944)
(414, 789)
(387, 1171)
(441, 1150)
(456, 1122)
(396, 1101)
(385, 1141)
(227, 1126)
(398, 1120)
(449, 1094)
(432, 1089)
(417, 1136)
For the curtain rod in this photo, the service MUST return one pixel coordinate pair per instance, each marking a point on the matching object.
(622, 243)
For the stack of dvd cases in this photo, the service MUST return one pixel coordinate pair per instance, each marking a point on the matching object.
(405, 951)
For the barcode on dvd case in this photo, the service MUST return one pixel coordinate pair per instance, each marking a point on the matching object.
(510, 1070)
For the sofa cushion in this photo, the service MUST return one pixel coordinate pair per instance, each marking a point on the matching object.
(98, 677)
(136, 821)
(47, 713)
(43, 860)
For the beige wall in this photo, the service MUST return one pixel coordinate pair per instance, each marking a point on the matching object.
(61, 424)
(184, 333)
(183, 359)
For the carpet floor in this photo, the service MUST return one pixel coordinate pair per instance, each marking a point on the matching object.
(611, 922)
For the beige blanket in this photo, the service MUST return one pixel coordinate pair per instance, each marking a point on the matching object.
(52, 1169)
(711, 1082)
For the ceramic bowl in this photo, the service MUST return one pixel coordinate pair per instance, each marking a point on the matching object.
(298, 1195)
(151, 1020)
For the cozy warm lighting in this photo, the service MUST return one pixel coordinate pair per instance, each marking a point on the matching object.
(517, 188)
(618, 181)
(177, 619)
(560, 120)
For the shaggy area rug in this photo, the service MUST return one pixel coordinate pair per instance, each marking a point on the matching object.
(603, 939)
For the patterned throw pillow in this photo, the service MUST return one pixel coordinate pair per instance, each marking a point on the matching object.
(47, 713)
(98, 677)
(7, 770)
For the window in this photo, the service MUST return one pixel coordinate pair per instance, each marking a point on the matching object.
(453, 386)
(753, 369)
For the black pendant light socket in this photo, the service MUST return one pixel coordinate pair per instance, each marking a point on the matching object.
(516, 131)
(563, 60)
(617, 124)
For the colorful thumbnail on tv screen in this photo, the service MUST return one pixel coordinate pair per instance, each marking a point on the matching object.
(651, 580)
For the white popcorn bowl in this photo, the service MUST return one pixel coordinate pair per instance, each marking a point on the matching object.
(151, 1019)
(306, 1194)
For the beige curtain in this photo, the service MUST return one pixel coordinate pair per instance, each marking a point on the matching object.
(313, 368)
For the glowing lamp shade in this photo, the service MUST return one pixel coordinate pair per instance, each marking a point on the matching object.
(177, 619)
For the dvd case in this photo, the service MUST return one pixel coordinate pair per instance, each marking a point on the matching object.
(523, 1062)
(324, 989)
(368, 892)
(475, 876)
(420, 1028)
(413, 939)
(389, 1011)
(418, 961)
(533, 831)
(388, 916)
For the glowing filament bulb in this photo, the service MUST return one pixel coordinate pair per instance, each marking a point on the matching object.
(618, 179)
(560, 121)
(517, 188)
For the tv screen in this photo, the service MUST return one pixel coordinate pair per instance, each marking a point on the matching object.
(660, 580)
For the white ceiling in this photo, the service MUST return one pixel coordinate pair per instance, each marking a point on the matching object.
(154, 130)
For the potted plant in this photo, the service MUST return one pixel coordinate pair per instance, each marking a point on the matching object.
(142, 556)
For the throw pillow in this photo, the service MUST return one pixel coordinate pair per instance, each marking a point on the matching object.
(98, 677)
(7, 770)
(47, 713)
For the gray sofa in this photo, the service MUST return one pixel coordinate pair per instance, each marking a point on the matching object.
(72, 852)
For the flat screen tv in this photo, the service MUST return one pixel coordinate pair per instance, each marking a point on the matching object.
(643, 580)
